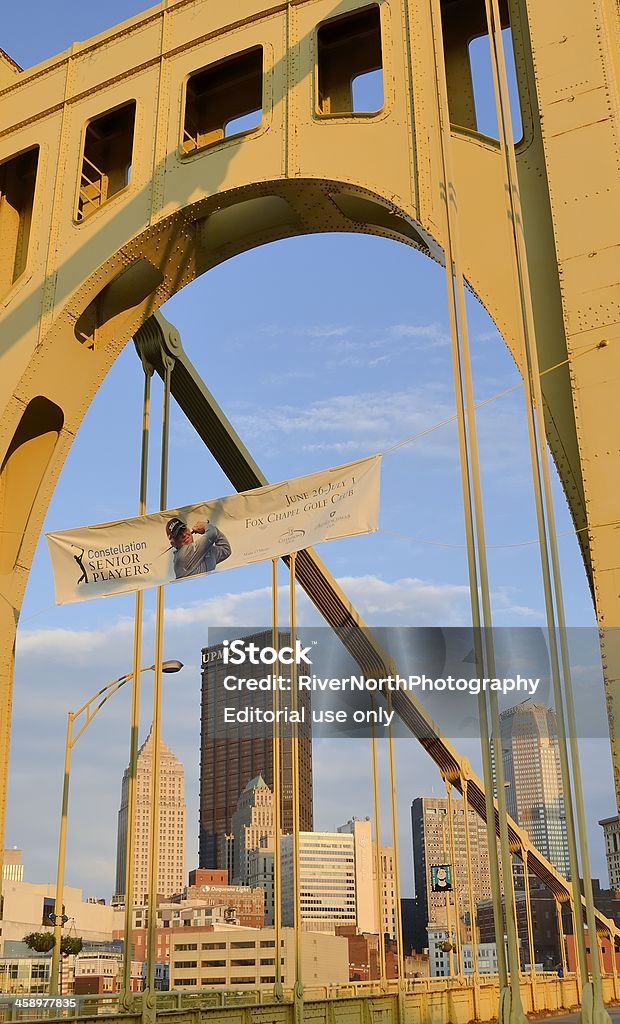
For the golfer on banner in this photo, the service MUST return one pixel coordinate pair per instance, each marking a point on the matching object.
(197, 550)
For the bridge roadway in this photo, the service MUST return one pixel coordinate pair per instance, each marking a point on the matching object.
(424, 1001)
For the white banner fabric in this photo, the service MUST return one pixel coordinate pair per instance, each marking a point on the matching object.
(265, 523)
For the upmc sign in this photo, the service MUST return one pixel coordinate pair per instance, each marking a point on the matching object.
(210, 656)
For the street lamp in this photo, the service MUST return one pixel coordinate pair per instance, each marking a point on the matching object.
(89, 712)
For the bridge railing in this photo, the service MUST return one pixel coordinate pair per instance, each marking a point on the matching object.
(544, 991)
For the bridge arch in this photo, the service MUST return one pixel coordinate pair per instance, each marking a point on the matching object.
(93, 327)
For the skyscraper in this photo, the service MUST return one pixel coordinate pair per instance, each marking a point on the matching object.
(232, 754)
(365, 873)
(534, 794)
(252, 825)
(366, 880)
(171, 866)
(611, 835)
(431, 846)
(326, 881)
(389, 907)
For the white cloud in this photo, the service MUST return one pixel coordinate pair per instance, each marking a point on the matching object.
(227, 610)
(80, 646)
(337, 331)
(374, 419)
(435, 335)
(432, 331)
(408, 600)
(359, 361)
(318, 331)
(349, 344)
(282, 375)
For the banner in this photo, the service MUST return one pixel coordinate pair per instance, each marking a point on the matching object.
(441, 878)
(265, 523)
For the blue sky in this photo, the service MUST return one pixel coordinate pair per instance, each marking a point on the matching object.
(321, 350)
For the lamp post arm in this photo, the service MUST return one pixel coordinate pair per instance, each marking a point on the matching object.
(109, 691)
(104, 689)
(87, 709)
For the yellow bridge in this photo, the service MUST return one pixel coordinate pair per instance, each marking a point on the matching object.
(138, 160)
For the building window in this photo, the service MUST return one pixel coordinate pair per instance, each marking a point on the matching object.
(350, 63)
(17, 184)
(223, 100)
(106, 160)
